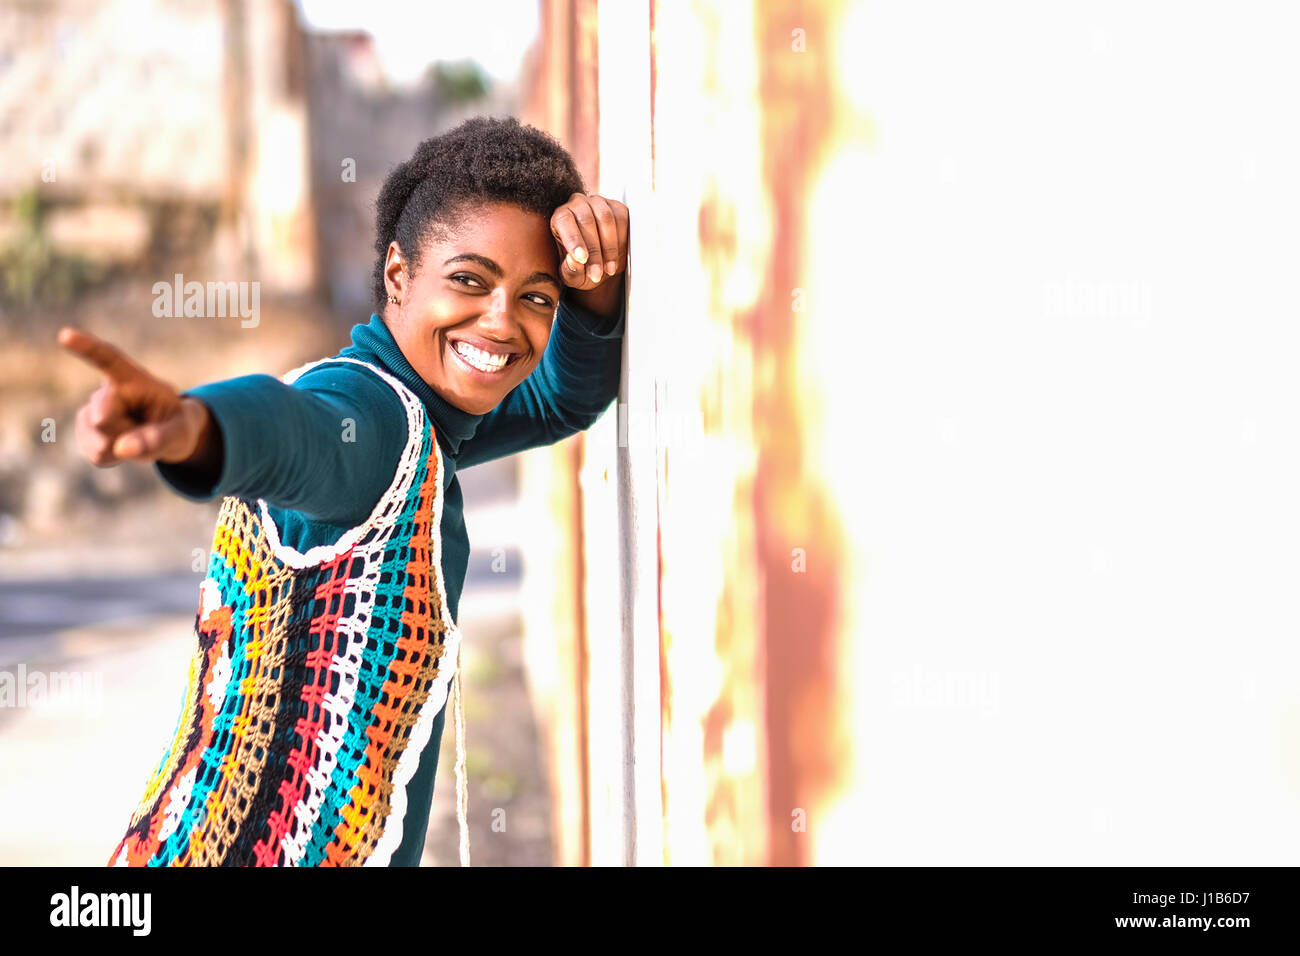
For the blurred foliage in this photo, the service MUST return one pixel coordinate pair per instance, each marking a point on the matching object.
(502, 785)
(484, 670)
(460, 81)
(32, 272)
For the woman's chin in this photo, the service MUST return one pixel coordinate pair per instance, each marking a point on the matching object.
(478, 409)
(476, 405)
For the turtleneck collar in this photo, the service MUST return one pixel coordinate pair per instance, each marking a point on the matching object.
(373, 342)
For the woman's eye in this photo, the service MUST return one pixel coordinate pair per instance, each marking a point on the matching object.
(462, 279)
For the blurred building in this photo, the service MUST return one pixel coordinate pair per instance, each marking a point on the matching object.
(161, 132)
(360, 128)
(696, 665)
(213, 136)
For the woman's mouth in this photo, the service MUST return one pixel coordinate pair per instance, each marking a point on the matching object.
(480, 364)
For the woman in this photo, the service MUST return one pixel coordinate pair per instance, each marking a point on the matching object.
(326, 636)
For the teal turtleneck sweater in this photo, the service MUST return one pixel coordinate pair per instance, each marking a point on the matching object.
(283, 443)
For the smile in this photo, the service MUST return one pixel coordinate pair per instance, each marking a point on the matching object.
(483, 362)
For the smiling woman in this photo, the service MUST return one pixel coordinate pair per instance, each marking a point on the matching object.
(476, 324)
(326, 646)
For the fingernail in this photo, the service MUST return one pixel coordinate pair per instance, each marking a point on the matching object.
(580, 254)
(593, 271)
(610, 267)
(128, 447)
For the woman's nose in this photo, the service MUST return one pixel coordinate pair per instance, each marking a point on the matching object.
(499, 311)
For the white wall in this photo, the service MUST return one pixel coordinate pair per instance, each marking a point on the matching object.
(1068, 377)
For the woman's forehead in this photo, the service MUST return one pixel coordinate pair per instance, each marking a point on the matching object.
(500, 232)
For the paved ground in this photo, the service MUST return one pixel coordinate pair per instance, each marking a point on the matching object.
(74, 767)
(502, 749)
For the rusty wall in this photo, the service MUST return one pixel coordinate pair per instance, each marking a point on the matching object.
(554, 578)
(709, 480)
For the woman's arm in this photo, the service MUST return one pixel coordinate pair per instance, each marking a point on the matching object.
(571, 387)
(327, 445)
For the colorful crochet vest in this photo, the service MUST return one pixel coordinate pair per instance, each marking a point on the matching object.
(313, 687)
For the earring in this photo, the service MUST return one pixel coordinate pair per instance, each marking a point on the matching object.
(392, 298)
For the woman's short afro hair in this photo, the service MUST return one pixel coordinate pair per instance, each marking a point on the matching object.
(483, 159)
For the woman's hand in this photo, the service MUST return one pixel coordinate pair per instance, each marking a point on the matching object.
(591, 233)
(135, 416)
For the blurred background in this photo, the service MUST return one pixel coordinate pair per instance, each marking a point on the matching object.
(228, 140)
(947, 511)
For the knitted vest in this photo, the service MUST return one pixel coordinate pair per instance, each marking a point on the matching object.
(313, 687)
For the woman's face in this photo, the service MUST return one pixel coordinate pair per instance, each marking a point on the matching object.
(476, 317)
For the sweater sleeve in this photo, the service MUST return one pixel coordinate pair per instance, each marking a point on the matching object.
(327, 445)
(571, 387)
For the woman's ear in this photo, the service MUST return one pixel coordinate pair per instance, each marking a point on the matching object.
(395, 277)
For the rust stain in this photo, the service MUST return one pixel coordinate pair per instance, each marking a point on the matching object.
(654, 67)
(807, 733)
(717, 230)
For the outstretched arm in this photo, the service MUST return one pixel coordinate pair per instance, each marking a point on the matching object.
(251, 437)
(327, 445)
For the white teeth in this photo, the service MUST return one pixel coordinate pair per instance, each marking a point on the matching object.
(483, 361)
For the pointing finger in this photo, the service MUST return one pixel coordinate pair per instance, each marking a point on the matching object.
(107, 358)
